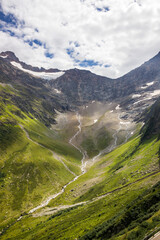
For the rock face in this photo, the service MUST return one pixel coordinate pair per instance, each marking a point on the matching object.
(139, 77)
(81, 86)
(30, 93)
(134, 92)
(10, 56)
(152, 119)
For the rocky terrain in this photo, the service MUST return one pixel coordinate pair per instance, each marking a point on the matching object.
(59, 133)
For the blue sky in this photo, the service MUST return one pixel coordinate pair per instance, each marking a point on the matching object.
(108, 37)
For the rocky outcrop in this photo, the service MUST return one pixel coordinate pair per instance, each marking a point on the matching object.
(81, 86)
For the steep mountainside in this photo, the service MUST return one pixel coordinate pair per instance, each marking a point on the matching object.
(82, 86)
(134, 91)
(34, 161)
(149, 72)
(117, 198)
(31, 93)
(74, 163)
(152, 119)
(11, 57)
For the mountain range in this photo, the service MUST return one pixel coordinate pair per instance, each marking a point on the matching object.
(80, 153)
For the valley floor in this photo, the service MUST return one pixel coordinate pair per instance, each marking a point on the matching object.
(116, 175)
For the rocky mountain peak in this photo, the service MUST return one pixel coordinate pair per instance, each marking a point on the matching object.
(9, 56)
(155, 60)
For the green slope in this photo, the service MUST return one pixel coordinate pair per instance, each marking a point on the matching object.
(118, 196)
(122, 166)
(29, 171)
(129, 175)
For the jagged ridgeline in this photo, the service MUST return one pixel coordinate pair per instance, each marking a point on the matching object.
(79, 153)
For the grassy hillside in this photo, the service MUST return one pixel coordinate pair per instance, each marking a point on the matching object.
(30, 94)
(122, 200)
(152, 119)
(29, 171)
(117, 198)
(122, 166)
(92, 220)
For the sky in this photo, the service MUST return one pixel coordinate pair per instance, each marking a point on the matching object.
(107, 37)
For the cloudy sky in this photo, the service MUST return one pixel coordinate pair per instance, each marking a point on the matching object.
(108, 37)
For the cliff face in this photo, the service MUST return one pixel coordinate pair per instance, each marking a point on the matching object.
(152, 119)
(81, 86)
(30, 93)
(134, 92)
(37, 161)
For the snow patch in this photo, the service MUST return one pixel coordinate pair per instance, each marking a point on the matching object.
(95, 120)
(144, 87)
(136, 95)
(111, 111)
(149, 96)
(3, 56)
(57, 91)
(150, 83)
(124, 123)
(155, 93)
(44, 75)
(118, 107)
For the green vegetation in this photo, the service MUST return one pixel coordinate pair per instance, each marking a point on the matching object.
(131, 210)
(49, 139)
(29, 173)
(104, 138)
(95, 142)
(76, 222)
(125, 165)
(135, 214)
(89, 146)
(118, 196)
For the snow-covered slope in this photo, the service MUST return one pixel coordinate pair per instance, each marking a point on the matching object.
(44, 75)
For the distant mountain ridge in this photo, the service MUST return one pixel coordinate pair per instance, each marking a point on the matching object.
(31, 93)
(89, 86)
(10, 56)
(135, 91)
(73, 142)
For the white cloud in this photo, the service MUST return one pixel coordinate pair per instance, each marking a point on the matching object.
(123, 37)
